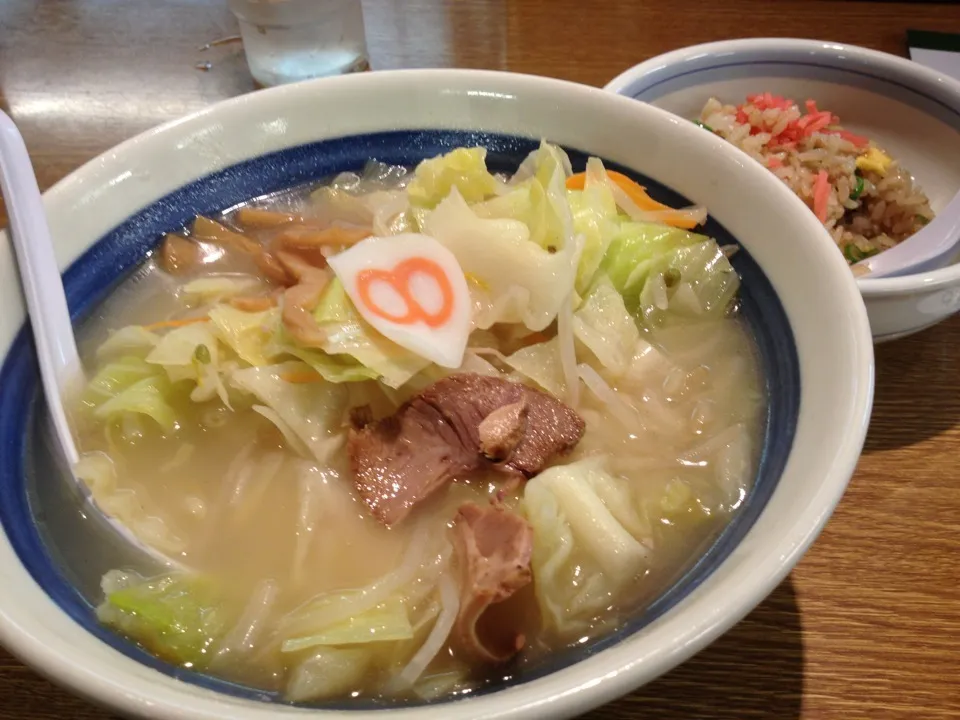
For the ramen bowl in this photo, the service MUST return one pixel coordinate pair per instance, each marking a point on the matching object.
(908, 109)
(815, 351)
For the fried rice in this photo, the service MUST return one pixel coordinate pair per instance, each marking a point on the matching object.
(861, 194)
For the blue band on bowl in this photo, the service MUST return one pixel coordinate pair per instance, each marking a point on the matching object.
(118, 253)
(700, 71)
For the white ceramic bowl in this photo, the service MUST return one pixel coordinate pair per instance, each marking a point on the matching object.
(913, 111)
(815, 346)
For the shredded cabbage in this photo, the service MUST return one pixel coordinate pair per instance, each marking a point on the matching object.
(635, 249)
(595, 218)
(348, 336)
(527, 203)
(247, 334)
(243, 637)
(333, 204)
(664, 271)
(540, 362)
(330, 672)
(582, 553)
(310, 410)
(144, 397)
(464, 169)
(543, 163)
(604, 325)
(439, 634)
(192, 353)
(694, 282)
(331, 608)
(115, 377)
(332, 368)
(539, 200)
(517, 280)
(132, 340)
(174, 616)
(385, 622)
(97, 471)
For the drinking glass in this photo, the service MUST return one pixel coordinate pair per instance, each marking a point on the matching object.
(290, 40)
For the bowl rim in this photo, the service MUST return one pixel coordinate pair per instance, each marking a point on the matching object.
(926, 281)
(144, 694)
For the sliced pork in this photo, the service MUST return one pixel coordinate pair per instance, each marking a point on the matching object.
(458, 425)
(493, 546)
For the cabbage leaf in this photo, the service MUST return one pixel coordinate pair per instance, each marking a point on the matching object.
(540, 362)
(694, 282)
(604, 325)
(637, 249)
(132, 340)
(330, 672)
(176, 616)
(115, 377)
(537, 197)
(99, 474)
(513, 280)
(464, 169)
(144, 397)
(595, 219)
(192, 353)
(130, 385)
(311, 410)
(665, 272)
(386, 622)
(582, 551)
(247, 334)
(349, 336)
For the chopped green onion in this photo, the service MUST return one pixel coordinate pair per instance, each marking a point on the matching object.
(704, 126)
(858, 190)
(202, 354)
(922, 220)
(853, 254)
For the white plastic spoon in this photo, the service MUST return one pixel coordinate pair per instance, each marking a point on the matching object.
(60, 369)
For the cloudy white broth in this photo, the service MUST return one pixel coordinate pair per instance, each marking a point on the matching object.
(407, 430)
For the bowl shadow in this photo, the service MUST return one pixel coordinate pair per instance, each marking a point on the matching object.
(914, 398)
(755, 671)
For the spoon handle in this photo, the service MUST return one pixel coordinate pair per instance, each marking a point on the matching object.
(57, 353)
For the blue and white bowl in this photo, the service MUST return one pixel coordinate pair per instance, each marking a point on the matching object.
(815, 347)
(909, 109)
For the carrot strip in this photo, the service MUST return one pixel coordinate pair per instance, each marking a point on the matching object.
(259, 219)
(638, 194)
(665, 214)
(821, 195)
(174, 323)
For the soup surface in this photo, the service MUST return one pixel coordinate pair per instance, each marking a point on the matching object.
(398, 432)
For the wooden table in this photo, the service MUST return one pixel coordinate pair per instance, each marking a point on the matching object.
(868, 625)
